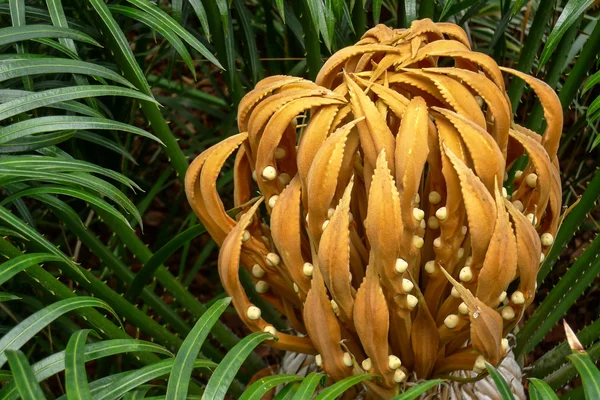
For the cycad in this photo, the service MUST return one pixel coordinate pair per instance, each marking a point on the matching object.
(389, 242)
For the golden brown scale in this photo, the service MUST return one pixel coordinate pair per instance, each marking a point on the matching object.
(382, 231)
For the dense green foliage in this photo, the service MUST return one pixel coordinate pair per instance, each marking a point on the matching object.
(103, 103)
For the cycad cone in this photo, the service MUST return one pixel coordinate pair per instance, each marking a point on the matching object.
(383, 230)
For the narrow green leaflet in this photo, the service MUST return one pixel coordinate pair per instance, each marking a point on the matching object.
(144, 276)
(26, 32)
(8, 297)
(201, 13)
(262, 386)
(177, 28)
(75, 375)
(143, 375)
(107, 143)
(139, 393)
(501, 385)
(32, 143)
(50, 65)
(541, 389)
(308, 386)
(59, 164)
(15, 265)
(590, 375)
(28, 388)
(73, 192)
(73, 106)
(30, 326)
(570, 13)
(56, 362)
(415, 391)
(246, 20)
(281, 9)
(188, 352)
(160, 27)
(225, 373)
(332, 392)
(67, 122)
(52, 96)
(87, 181)
(322, 20)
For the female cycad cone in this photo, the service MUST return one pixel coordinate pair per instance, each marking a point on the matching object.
(383, 233)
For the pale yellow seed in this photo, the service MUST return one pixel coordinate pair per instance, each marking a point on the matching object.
(463, 309)
(532, 219)
(394, 362)
(451, 321)
(407, 285)
(270, 329)
(418, 241)
(437, 242)
(517, 297)
(399, 376)
(253, 313)
(504, 193)
(442, 213)
(296, 288)
(464, 230)
(417, 198)
(547, 239)
(262, 287)
(542, 257)
(411, 301)
(434, 197)
(269, 173)
(418, 214)
(505, 345)
(466, 274)
(307, 269)
(518, 205)
(325, 224)
(430, 267)
(367, 364)
(330, 212)
(273, 259)
(455, 293)
(347, 359)
(273, 200)
(531, 180)
(508, 313)
(502, 297)
(318, 360)
(460, 253)
(285, 178)
(433, 223)
(518, 173)
(279, 153)
(469, 261)
(257, 271)
(422, 224)
(401, 266)
(334, 305)
(480, 363)
(245, 236)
